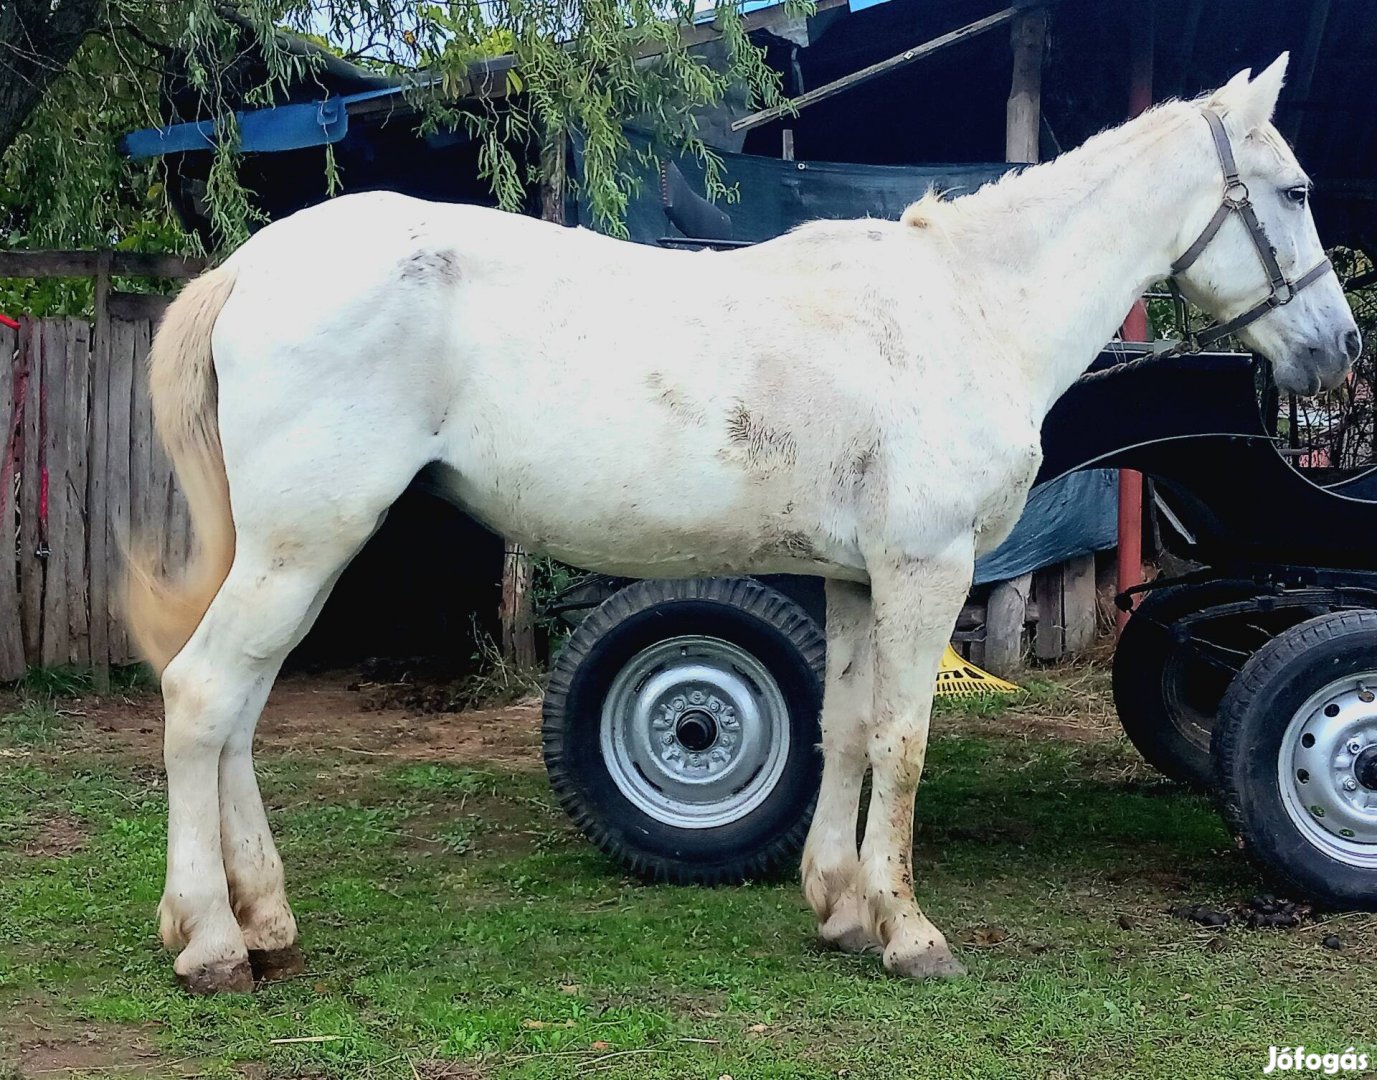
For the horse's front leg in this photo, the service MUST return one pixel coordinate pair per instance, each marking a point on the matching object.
(916, 602)
(830, 861)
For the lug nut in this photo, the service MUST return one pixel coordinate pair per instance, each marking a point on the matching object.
(1350, 784)
(1355, 747)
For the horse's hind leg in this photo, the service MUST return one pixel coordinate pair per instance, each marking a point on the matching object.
(253, 868)
(830, 859)
(286, 557)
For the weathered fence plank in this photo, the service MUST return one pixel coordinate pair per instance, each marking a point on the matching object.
(98, 572)
(11, 632)
(76, 380)
(144, 489)
(53, 528)
(30, 488)
(117, 519)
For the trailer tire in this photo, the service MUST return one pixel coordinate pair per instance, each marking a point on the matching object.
(681, 729)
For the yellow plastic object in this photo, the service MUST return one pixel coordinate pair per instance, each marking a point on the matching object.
(961, 678)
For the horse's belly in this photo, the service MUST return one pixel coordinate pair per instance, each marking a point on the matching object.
(647, 514)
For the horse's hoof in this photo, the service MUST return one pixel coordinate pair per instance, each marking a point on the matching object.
(844, 931)
(273, 965)
(222, 977)
(936, 962)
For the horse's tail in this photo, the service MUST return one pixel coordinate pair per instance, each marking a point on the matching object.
(162, 613)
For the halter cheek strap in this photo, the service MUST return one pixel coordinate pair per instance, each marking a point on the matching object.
(1237, 200)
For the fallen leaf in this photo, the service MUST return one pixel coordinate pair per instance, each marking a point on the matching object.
(756, 1029)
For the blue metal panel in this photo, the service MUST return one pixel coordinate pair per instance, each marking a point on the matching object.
(284, 127)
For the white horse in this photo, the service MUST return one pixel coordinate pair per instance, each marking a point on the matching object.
(859, 400)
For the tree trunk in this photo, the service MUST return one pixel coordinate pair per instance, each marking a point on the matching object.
(38, 39)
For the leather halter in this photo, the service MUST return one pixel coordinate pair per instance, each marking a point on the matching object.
(1237, 201)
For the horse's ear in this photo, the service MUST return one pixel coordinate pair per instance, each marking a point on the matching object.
(1265, 89)
(1250, 103)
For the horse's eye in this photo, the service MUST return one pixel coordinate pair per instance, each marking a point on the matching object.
(1297, 194)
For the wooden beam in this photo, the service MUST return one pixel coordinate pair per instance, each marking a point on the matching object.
(874, 71)
(48, 264)
(132, 307)
(1023, 118)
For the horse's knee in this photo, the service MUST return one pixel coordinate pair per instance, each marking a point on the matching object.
(200, 712)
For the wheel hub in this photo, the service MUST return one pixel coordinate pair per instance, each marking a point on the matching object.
(695, 732)
(1328, 769)
(1365, 768)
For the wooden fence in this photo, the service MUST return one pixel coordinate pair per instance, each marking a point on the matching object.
(81, 473)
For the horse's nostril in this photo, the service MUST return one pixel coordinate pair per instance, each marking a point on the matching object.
(1351, 344)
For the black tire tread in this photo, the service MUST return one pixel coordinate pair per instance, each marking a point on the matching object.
(749, 596)
(1248, 692)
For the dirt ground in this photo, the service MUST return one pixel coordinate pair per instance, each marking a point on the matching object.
(332, 711)
(323, 711)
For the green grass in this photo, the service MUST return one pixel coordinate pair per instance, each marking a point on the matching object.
(67, 682)
(451, 915)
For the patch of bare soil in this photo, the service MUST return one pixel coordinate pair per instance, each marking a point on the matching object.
(323, 712)
(35, 1045)
(58, 837)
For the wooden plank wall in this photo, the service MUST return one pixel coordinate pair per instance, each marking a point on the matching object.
(81, 471)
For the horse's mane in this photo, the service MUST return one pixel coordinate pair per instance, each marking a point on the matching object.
(1065, 180)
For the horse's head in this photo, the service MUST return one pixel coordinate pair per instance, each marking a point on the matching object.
(1288, 307)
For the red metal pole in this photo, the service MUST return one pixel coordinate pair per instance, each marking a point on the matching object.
(1141, 33)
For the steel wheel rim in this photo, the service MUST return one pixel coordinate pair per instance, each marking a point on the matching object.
(1324, 761)
(695, 732)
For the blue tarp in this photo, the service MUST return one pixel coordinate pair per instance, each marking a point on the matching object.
(1072, 515)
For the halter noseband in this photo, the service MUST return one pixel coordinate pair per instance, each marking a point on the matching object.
(1237, 201)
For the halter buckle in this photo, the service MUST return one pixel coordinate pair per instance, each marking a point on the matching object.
(1233, 201)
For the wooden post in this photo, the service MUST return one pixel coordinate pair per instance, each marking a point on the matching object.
(518, 622)
(1079, 604)
(1049, 638)
(1006, 612)
(1023, 120)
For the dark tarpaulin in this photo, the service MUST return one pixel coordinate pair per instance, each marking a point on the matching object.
(776, 195)
(1073, 515)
